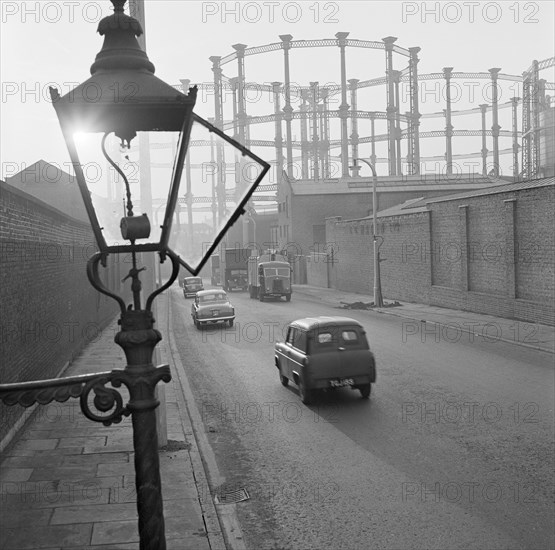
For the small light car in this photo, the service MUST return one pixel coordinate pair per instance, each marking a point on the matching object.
(211, 307)
(236, 279)
(191, 285)
(325, 353)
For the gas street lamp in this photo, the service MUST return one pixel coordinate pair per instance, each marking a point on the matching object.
(378, 299)
(102, 120)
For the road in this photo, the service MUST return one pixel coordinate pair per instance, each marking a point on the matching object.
(454, 449)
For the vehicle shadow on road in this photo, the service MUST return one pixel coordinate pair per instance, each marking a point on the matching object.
(332, 405)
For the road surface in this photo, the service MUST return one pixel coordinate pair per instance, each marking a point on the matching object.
(454, 449)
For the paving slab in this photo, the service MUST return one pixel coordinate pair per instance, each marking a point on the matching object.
(98, 441)
(115, 468)
(11, 517)
(15, 474)
(36, 444)
(50, 536)
(33, 461)
(73, 472)
(96, 458)
(94, 513)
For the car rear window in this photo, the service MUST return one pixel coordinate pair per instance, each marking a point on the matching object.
(334, 337)
(349, 336)
(212, 298)
(354, 337)
(193, 281)
(323, 341)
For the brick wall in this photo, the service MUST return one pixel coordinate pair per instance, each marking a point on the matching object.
(445, 246)
(304, 219)
(535, 274)
(49, 309)
(487, 246)
(404, 254)
(317, 269)
(310, 212)
(492, 254)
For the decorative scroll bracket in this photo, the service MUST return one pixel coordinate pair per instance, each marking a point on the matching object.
(106, 400)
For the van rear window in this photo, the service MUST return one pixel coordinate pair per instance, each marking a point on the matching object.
(349, 336)
(324, 338)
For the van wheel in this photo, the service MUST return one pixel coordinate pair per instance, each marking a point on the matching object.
(231, 322)
(283, 379)
(288, 297)
(365, 390)
(305, 393)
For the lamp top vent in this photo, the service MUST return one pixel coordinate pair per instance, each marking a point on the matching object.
(121, 50)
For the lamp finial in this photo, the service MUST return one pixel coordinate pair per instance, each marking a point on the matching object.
(118, 5)
(120, 50)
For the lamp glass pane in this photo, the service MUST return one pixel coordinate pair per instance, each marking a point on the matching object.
(217, 180)
(147, 165)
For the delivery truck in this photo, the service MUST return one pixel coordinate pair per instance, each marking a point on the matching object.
(269, 275)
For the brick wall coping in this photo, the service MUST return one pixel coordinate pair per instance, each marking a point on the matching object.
(357, 186)
(508, 188)
(382, 217)
(428, 178)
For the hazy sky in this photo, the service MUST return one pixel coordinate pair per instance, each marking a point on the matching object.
(45, 43)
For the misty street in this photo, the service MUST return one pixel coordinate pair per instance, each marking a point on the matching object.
(451, 451)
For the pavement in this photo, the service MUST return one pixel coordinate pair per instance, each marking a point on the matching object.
(432, 322)
(67, 483)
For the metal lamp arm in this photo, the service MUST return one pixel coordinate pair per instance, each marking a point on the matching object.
(173, 277)
(94, 279)
(106, 400)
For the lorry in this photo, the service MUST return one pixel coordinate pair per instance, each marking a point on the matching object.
(215, 270)
(233, 268)
(269, 275)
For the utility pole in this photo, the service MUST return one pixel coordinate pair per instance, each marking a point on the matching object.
(378, 299)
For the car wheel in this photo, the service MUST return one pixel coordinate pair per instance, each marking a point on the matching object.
(231, 322)
(198, 325)
(305, 393)
(283, 379)
(365, 390)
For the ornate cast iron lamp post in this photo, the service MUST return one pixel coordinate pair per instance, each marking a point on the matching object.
(378, 298)
(121, 100)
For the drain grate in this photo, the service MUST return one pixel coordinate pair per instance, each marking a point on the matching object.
(232, 497)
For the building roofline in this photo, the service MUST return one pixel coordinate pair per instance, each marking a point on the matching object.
(388, 184)
(497, 189)
(44, 205)
(29, 169)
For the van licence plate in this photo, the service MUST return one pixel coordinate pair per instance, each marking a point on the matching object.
(341, 382)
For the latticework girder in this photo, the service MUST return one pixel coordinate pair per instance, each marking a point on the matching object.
(316, 118)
